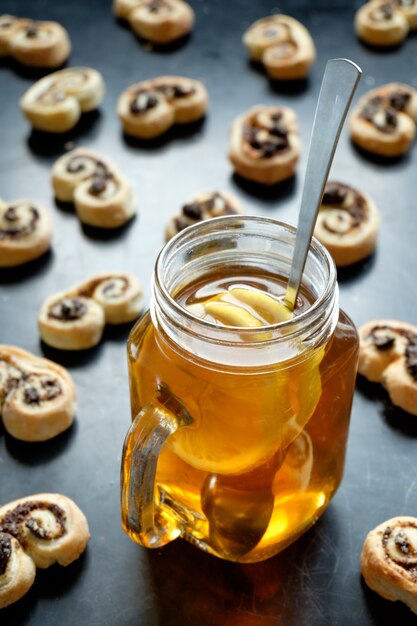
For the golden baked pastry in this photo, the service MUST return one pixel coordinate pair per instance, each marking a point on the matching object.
(265, 145)
(388, 355)
(37, 531)
(347, 223)
(55, 103)
(34, 43)
(159, 21)
(101, 195)
(202, 206)
(37, 396)
(283, 45)
(384, 121)
(75, 319)
(148, 109)
(381, 23)
(389, 560)
(25, 232)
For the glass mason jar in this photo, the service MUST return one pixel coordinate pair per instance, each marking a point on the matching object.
(239, 434)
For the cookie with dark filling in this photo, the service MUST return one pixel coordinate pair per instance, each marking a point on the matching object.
(34, 43)
(201, 207)
(265, 145)
(381, 23)
(148, 109)
(388, 355)
(37, 396)
(384, 121)
(158, 21)
(102, 196)
(75, 319)
(389, 560)
(283, 45)
(37, 531)
(347, 223)
(25, 232)
(56, 102)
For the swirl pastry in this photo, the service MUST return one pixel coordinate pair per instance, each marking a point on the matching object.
(265, 145)
(55, 103)
(283, 45)
(25, 232)
(200, 207)
(37, 531)
(37, 396)
(388, 355)
(150, 108)
(38, 44)
(409, 9)
(384, 122)
(159, 21)
(389, 560)
(381, 23)
(347, 223)
(17, 570)
(101, 195)
(75, 319)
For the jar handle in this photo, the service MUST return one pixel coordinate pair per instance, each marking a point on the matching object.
(144, 518)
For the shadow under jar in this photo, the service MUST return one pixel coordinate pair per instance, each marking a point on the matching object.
(239, 433)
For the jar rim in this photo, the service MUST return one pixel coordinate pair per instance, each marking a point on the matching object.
(190, 232)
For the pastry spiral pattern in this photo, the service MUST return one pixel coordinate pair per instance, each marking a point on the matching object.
(148, 109)
(385, 22)
(389, 560)
(34, 43)
(158, 21)
(25, 232)
(201, 207)
(265, 145)
(347, 223)
(102, 196)
(388, 354)
(37, 396)
(37, 531)
(75, 319)
(283, 45)
(384, 122)
(55, 103)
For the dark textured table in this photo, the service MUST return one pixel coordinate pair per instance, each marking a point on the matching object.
(316, 581)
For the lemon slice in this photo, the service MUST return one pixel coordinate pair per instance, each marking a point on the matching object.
(231, 314)
(264, 305)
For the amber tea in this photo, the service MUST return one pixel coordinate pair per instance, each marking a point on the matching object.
(263, 450)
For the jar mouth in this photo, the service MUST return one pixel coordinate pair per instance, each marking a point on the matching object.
(238, 222)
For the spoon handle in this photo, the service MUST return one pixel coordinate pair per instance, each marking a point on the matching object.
(340, 80)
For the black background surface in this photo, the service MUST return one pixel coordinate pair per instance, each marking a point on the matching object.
(316, 581)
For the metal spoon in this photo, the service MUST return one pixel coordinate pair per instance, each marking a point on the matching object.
(340, 80)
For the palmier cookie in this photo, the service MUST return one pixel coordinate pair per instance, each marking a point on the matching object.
(265, 145)
(38, 44)
(388, 355)
(25, 232)
(37, 531)
(101, 195)
(150, 108)
(347, 223)
(37, 396)
(158, 21)
(200, 207)
(381, 23)
(384, 121)
(389, 560)
(75, 319)
(409, 9)
(283, 45)
(55, 103)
